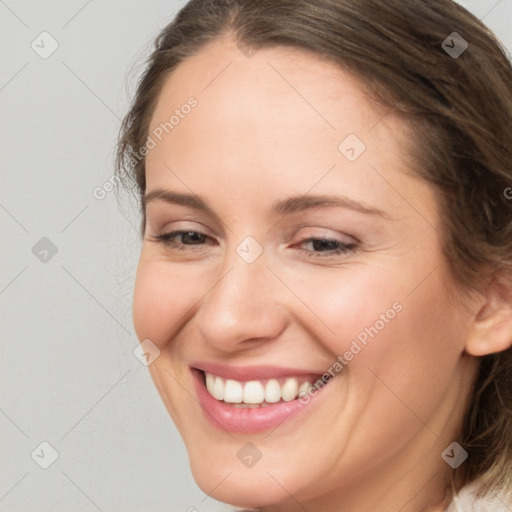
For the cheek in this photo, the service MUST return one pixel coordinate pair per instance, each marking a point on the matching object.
(352, 304)
(411, 361)
(388, 331)
(161, 301)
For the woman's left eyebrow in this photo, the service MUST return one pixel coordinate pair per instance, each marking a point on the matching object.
(305, 202)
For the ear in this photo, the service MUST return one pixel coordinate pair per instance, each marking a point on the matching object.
(491, 329)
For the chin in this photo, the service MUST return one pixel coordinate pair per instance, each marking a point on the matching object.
(245, 488)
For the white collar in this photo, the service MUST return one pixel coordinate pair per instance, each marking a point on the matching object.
(466, 501)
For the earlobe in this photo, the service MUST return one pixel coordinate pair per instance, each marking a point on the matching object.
(491, 329)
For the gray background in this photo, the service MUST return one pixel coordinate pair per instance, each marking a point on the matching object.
(68, 373)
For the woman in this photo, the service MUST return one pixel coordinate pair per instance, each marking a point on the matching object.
(326, 267)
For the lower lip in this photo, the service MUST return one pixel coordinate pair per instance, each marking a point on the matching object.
(245, 420)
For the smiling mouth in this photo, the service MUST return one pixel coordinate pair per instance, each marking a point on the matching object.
(251, 399)
(257, 393)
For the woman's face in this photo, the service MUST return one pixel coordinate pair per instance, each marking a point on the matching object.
(307, 248)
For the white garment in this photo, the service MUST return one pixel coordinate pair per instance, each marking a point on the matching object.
(466, 501)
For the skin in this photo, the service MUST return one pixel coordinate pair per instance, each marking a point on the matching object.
(268, 127)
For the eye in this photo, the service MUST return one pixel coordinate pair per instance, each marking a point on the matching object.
(325, 247)
(180, 239)
(183, 240)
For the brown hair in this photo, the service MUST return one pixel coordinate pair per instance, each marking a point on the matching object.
(458, 106)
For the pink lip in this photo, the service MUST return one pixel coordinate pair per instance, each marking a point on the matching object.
(247, 373)
(245, 420)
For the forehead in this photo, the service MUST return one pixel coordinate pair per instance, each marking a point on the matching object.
(287, 116)
(281, 83)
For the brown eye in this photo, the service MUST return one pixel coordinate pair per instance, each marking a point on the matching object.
(327, 247)
(182, 238)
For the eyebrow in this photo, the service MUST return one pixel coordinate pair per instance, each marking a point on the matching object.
(286, 206)
(305, 202)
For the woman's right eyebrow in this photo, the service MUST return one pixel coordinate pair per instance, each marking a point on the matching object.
(171, 197)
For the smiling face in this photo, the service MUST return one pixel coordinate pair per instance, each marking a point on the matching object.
(301, 244)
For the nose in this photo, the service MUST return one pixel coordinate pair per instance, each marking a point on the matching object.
(245, 308)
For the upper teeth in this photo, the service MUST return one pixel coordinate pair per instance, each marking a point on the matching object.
(254, 391)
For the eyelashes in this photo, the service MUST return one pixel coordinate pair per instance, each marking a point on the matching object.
(168, 239)
(333, 246)
(194, 241)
